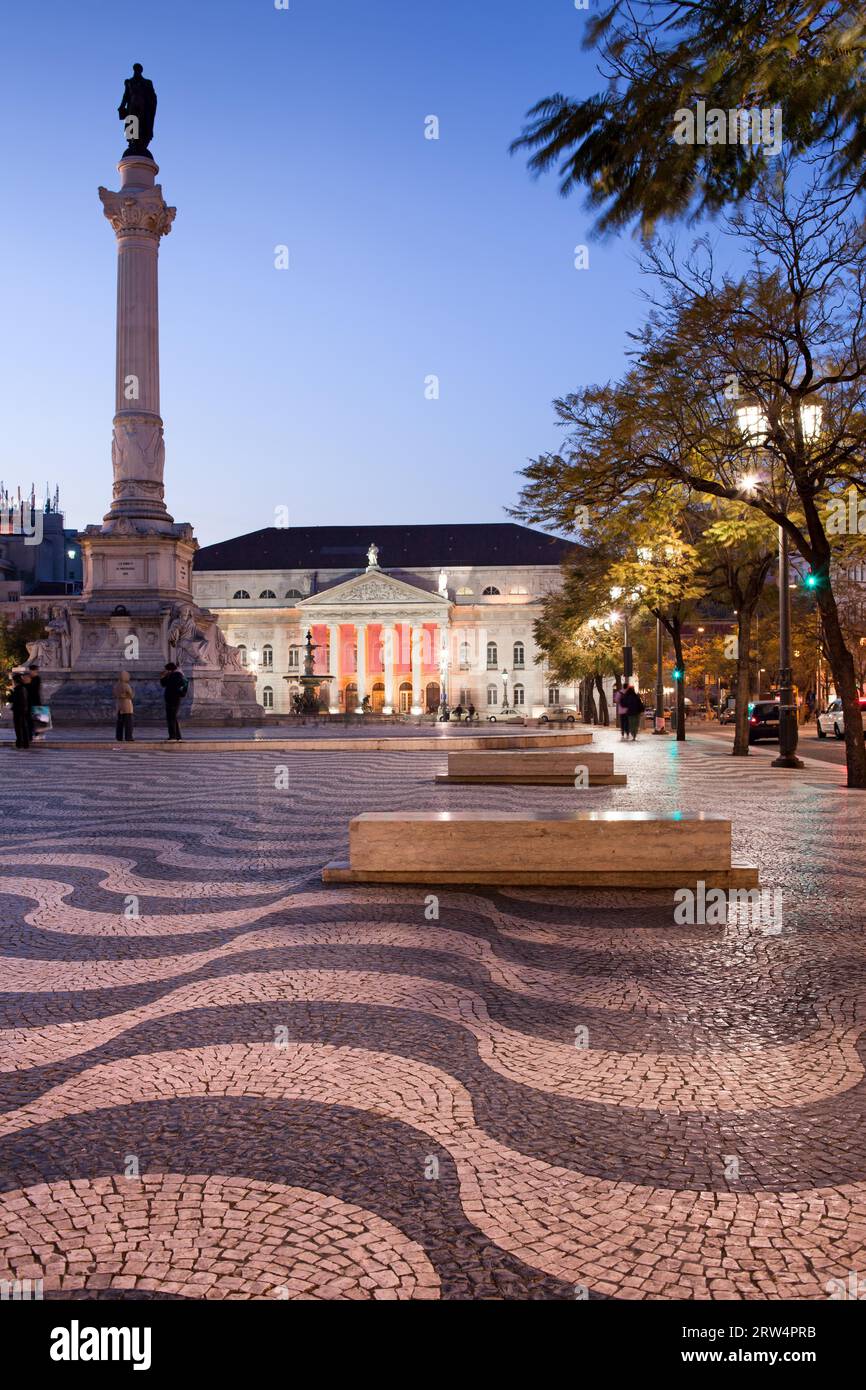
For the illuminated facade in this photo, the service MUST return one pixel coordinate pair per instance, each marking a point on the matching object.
(400, 615)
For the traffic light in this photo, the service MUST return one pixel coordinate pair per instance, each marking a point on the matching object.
(812, 581)
(678, 673)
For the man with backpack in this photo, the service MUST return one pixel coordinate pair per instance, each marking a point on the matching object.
(175, 685)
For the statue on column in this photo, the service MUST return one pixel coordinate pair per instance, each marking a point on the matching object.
(137, 110)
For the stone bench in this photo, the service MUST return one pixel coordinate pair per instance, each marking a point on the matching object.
(559, 767)
(610, 849)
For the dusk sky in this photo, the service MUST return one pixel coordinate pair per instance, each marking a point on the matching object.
(409, 257)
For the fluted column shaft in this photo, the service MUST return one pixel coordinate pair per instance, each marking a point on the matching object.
(139, 217)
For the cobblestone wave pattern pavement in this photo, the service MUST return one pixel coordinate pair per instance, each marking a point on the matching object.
(220, 1079)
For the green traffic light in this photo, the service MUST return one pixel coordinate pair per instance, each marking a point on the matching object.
(677, 673)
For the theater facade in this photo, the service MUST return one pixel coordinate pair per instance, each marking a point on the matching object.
(404, 616)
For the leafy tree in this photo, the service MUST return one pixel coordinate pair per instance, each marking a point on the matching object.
(785, 346)
(804, 58)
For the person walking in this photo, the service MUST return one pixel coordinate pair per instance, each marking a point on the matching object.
(20, 702)
(470, 712)
(175, 685)
(621, 712)
(33, 682)
(634, 708)
(125, 701)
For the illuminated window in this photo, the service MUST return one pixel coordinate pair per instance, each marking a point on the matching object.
(518, 589)
(465, 593)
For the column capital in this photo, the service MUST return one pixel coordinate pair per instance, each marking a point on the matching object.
(142, 210)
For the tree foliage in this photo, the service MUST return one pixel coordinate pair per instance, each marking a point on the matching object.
(807, 59)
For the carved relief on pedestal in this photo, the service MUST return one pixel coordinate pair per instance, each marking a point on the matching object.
(138, 450)
(228, 658)
(146, 211)
(54, 652)
(185, 638)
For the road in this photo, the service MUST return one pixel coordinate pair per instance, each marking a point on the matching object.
(825, 750)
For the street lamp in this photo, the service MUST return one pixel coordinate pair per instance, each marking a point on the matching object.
(506, 708)
(754, 428)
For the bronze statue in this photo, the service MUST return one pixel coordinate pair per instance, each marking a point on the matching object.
(137, 110)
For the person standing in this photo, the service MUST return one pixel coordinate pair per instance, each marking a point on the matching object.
(20, 710)
(634, 708)
(175, 685)
(621, 712)
(33, 682)
(125, 701)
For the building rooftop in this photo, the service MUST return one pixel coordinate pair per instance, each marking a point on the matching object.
(400, 547)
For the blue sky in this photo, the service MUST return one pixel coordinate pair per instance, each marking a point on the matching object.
(409, 257)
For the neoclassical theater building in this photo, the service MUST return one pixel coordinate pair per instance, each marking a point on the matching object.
(403, 615)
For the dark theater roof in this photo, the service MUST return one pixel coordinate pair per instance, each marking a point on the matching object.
(400, 547)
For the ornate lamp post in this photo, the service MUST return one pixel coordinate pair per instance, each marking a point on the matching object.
(754, 427)
(506, 708)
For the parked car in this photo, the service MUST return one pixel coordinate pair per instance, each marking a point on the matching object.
(558, 714)
(763, 720)
(832, 719)
(728, 711)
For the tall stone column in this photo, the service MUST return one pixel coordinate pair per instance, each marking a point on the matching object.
(389, 642)
(417, 643)
(139, 216)
(334, 663)
(361, 677)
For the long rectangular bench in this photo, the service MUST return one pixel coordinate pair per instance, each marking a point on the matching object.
(561, 767)
(614, 849)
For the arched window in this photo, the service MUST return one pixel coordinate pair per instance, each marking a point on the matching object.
(490, 591)
(465, 593)
(268, 697)
(242, 653)
(240, 593)
(492, 656)
(268, 656)
(465, 654)
(492, 695)
(267, 593)
(519, 695)
(294, 658)
(294, 593)
(519, 656)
